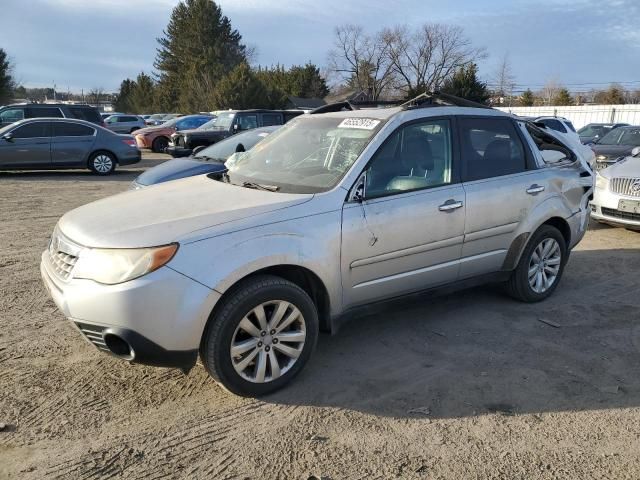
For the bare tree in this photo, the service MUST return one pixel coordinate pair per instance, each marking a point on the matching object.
(95, 95)
(423, 59)
(504, 80)
(362, 60)
(549, 91)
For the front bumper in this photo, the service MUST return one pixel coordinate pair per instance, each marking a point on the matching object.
(178, 152)
(604, 208)
(161, 316)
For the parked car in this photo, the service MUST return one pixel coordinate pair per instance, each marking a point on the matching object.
(567, 133)
(50, 143)
(207, 160)
(121, 123)
(106, 115)
(155, 119)
(227, 123)
(616, 199)
(594, 131)
(157, 138)
(20, 111)
(330, 213)
(615, 145)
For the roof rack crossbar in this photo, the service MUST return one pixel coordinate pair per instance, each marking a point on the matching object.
(431, 99)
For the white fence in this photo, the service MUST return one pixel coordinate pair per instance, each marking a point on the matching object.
(583, 114)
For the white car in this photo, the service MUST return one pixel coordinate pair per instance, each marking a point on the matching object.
(565, 131)
(616, 200)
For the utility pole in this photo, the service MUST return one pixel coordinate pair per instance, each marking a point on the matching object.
(54, 91)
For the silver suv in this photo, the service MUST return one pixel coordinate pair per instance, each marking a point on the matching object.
(334, 211)
(124, 123)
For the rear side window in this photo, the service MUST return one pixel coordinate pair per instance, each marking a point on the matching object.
(31, 130)
(63, 129)
(570, 125)
(554, 125)
(491, 147)
(271, 119)
(48, 112)
(127, 119)
(88, 114)
(11, 115)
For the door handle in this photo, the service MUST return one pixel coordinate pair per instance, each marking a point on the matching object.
(449, 206)
(534, 189)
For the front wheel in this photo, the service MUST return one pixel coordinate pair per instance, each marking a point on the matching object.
(102, 163)
(261, 336)
(540, 267)
(160, 144)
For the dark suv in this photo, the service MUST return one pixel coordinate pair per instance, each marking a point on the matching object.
(226, 124)
(19, 111)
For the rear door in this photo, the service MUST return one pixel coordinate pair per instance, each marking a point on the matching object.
(502, 185)
(29, 146)
(71, 143)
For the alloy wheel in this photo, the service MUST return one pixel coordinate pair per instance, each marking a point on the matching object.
(102, 163)
(268, 341)
(544, 265)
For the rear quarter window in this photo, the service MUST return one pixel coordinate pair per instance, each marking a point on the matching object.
(88, 114)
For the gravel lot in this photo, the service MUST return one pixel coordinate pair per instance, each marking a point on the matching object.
(471, 385)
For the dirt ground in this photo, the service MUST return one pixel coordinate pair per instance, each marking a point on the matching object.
(467, 386)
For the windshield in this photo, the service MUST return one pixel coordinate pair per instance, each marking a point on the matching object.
(210, 124)
(309, 154)
(593, 130)
(223, 120)
(222, 150)
(622, 136)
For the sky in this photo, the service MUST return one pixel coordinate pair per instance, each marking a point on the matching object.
(85, 44)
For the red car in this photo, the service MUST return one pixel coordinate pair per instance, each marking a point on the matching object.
(157, 138)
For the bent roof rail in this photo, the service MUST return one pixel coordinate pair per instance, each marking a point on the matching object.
(439, 99)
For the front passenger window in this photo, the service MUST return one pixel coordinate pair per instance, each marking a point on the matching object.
(414, 157)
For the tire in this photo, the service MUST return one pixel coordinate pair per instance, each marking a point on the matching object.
(102, 163)
(160, 144)
(537, 287)
(197, 149)
(241, 374)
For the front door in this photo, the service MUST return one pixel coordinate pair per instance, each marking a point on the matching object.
(407, 234)
(71, 143)
(501, 187)
(27, 146)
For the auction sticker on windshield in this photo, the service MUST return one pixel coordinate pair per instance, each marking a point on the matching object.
(361, 123)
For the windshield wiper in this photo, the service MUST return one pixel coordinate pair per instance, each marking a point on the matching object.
(258, 186)
(209, 159)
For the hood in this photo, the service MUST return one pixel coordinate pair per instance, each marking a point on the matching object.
(168, 212)
(626, 168)
(158, 129)
(612, 151)
(176, 169)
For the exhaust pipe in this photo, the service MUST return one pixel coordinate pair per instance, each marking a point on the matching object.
(119, 346)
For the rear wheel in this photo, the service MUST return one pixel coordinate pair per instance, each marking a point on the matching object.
(160, 144)
(540, 267)
(102, 163)
(261, 336)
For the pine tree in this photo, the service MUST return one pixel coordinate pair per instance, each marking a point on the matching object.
(142, 98)
(6, 80)
(562, 98)
(465, 84)
(527, 99)
(123, 100)
(242, 89)
(198, 38)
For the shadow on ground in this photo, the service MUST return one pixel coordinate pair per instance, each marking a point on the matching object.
(478, 351)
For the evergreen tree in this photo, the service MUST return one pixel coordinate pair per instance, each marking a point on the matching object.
(307, 82)
(465, 84)
(6, 80)
(123, 100)
(243, 89)
(198, 38)
(142, 97)
(562, 98)
(527, 99)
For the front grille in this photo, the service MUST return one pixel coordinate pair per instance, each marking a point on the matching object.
(610, 212)
(626, 186)
(181, 141)
(93, 333)
(62, 263)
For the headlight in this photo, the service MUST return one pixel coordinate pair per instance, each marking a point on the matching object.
(601, 182)
(601, 157)
(117, 265)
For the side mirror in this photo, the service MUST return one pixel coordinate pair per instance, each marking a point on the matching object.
(358, 194)
(8, 137)
(236, 127)
(635, 152)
